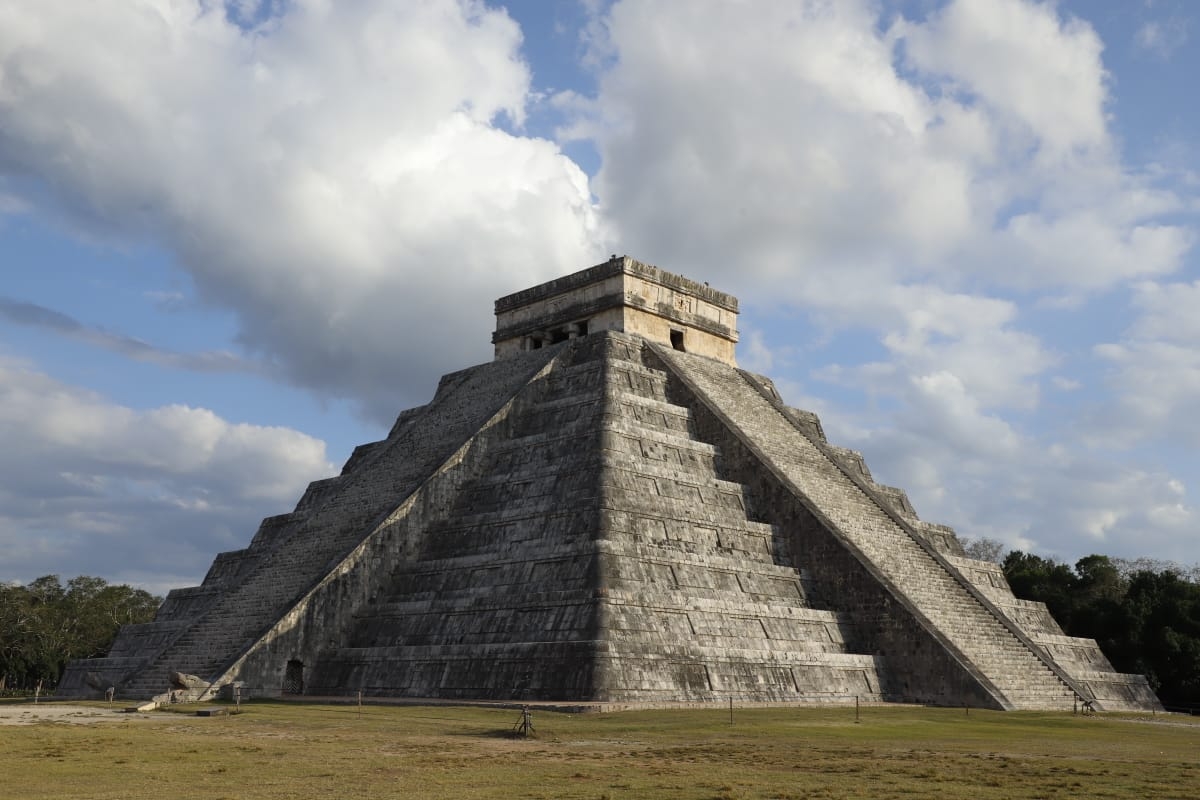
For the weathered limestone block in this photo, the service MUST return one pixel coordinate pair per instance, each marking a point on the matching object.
(181, 680)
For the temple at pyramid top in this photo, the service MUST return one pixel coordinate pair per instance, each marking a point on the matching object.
(622, 294)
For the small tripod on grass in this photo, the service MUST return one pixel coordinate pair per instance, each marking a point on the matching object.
(524, 726)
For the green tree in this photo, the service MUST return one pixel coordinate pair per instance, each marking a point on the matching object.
(44, 624)
(15, 638)
(983, 548)
(1146, 621)
(45, 633)
(1036, 578)
(1163, 634)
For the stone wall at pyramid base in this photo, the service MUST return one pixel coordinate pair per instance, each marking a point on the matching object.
(527, 671)
(587, 673)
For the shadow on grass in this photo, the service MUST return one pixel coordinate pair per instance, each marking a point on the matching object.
(495, 733)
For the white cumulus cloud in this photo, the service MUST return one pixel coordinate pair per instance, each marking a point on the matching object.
(345, 177)
(942, 181)
(85, 482)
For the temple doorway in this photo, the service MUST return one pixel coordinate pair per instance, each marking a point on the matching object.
(293, 677)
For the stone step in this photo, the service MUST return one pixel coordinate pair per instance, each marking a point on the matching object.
(664, 407)
(623, 369)
(941, 596)
(732, 562)
(641, 440)
(649, 497)
(627, 378)
(650, 414)
(717, 653)
(556, 436)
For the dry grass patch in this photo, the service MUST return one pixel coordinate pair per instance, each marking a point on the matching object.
(277, 750)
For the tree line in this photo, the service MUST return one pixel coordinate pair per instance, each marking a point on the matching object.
(45, 624)
(1144, 614)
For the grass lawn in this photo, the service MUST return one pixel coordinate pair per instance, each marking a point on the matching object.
(284, 750)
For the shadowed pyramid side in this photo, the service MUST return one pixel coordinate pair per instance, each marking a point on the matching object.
(249, 593)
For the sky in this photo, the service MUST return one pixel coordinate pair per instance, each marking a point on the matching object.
(237, 238)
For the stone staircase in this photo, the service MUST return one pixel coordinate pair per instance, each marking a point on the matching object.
(1081, 658)
(703, 600)
(333, 517)
(935, 594)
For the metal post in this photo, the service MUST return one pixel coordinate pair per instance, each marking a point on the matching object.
(855, 709)
(731, 712)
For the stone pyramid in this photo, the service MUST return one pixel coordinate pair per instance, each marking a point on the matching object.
(609, 512)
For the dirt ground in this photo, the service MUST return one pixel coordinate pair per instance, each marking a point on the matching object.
(29, 713)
